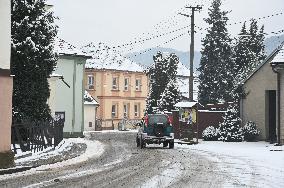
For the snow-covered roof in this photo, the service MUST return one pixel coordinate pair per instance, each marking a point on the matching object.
(182, 70)
(183, 85)
(279, 57)
(185, 104)
(64, 48)
(104, 57)
(88, 99)
(55, 75)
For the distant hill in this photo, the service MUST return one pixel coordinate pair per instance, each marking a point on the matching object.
(147, 57)
(272, 42)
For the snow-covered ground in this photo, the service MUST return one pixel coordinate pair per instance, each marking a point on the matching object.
(249, 164)
(94, 149)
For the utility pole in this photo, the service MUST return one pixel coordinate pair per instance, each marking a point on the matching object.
(193, 9)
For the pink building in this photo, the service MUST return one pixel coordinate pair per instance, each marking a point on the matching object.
(6, 83)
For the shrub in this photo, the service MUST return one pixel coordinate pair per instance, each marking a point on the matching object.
(250, 131)
(210, 134)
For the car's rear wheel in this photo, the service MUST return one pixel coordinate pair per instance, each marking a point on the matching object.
(142, 143)
(171, 145)
(137, 141)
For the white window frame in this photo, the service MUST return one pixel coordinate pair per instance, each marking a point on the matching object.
(138, 85)
(91, 81)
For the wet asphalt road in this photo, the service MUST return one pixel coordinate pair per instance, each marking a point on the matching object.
(124, 165)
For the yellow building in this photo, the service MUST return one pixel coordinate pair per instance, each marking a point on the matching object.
(120, 87)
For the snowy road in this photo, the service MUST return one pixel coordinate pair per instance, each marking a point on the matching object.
(124, 165)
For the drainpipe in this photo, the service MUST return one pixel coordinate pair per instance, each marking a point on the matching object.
(275, 69)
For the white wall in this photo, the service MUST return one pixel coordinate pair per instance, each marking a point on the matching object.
(5, 34)
(89, 116)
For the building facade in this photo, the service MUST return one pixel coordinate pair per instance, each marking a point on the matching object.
(90, 112)
(259, 103)
(121, 95)
(67, 91)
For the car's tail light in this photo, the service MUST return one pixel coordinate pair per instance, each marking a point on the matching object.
(170, 119)
(146, 121)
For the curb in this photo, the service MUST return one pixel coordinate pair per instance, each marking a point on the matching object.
(15, 169)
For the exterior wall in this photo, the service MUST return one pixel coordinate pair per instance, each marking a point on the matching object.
(79, 91)
(90, 116)
(70, 100)
(52, 88)
(282, 107)
(6, 82)
(106, 96)
(6, 88)
(5, 34)
(253, 106)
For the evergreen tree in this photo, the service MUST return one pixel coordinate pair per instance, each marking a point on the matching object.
(248, 53)
(32, 58)
(256, 44)
(230, 129)
(170, 96)
(160, 74)
(216, 65)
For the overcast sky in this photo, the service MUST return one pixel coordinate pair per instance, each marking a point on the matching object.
(116, 22)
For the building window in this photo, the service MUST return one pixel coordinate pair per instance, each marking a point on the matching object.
(114, 111)
(115, 83)
(126, 84)
(138, 84)
(126, 110)
(90, 124)
(90, 82)
(137, 110)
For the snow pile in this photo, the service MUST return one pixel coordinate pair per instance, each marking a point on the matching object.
(103, 57)
(93, 150)
(246, 164)
(88, 99)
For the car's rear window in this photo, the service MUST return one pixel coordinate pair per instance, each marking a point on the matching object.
(157, 119)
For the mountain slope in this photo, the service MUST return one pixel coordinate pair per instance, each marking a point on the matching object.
(273, 42)
(147, 57)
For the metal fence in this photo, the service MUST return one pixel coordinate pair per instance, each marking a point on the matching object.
(36, 136)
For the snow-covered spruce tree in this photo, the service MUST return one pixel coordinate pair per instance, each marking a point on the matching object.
(160, 74)
(32, 58)
(169, 97)
(248, 53)
(250, 131)
(230, 129)
(216, 65)
(256, 43)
